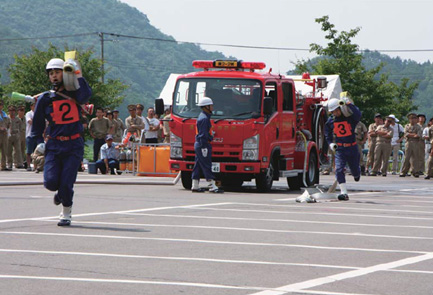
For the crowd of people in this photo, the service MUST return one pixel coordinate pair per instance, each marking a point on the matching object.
(396, 149)
(18, 148)
(108, 129)
(16, 144)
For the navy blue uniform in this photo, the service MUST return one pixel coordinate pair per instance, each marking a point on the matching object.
(203, 138)
(343, 129)
(64, 149)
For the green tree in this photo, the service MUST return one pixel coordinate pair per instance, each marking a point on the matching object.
(28, 76)
(371, 91)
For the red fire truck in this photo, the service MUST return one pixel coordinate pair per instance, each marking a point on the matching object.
(264, 128)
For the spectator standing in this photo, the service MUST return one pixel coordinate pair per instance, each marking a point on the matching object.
(361, 138)
(421, 146)
(152, 134)
(117, 137)
(397, 138)
(426, 137)
(14, 140)
(166, 125)
(412, 133)
(99, 128)
(430, 159)
(133, 123)
(85, 122)
(109, 156)
(140, 109)
(22, 117)
(30, 141)
(383, 147)
(113, 123)
(4, 129)
(372, 139)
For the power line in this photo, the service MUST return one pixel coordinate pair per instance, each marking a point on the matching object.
(47, 37)
(199, 43)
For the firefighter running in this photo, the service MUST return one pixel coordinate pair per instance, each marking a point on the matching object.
(342, 123)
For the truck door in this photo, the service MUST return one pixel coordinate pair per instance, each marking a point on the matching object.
(272, 129)
(288, 120)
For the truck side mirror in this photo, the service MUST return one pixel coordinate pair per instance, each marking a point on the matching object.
(159, 106)
(267, 106)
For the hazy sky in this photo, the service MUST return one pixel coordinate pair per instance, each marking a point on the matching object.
(385, 24)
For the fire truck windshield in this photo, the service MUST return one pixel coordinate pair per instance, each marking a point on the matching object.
(233, 98)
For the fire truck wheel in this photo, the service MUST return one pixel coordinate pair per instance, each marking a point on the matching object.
(265, 179)
(312, 176)
(185, 177)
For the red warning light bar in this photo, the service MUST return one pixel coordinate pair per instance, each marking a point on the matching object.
(231, 64)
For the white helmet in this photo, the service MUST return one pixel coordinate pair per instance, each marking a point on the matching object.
(333, 104)
(40, 148)
(205, 101)
(55, 63)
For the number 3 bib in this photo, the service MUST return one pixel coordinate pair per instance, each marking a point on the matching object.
(65, 112)
(342, 129)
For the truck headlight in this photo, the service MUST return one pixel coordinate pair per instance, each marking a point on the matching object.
(250, 150)
(175, 147)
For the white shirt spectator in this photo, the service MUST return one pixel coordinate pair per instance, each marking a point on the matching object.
(110, 152)
(425, 134)
(396, 135)
(29, 117)
(152, 134)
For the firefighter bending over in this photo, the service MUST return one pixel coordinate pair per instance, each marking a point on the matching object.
(341, 125)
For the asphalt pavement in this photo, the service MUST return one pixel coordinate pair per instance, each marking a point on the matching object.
(145, 235)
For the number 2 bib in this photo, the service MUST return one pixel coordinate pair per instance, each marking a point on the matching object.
(342, 129)
(65, 112)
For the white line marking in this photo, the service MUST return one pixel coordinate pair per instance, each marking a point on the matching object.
(105, 281)
(408, 200)
(327, 293)
(117, 212)
(283, 220)
(320, 213)
(357, 234)
(211, 242)
(345, 275)
(341, 207)
(176, 258)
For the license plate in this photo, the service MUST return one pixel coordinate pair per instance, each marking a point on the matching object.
(215, 167)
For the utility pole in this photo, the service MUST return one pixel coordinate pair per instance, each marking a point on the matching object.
(101, 36)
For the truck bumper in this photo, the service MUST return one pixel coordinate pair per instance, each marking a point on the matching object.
(224, 167)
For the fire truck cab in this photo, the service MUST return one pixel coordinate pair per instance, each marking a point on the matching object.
(264, 129)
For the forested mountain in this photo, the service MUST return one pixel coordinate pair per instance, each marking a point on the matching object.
(144, 64)
(398, 69)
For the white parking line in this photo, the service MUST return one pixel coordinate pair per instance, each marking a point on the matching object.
(283, 220)
(341, 207)
(177, 258)
(115, 281)
(117, 212)
(211, 242)
(263, 230)
(345, 275)
(319, 213)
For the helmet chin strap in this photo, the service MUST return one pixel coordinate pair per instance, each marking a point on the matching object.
(57, 86)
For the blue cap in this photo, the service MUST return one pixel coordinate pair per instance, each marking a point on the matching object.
(108, 137)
